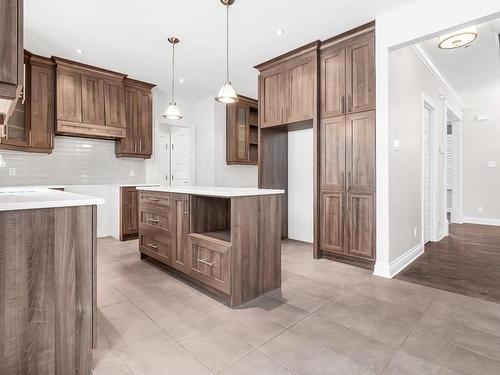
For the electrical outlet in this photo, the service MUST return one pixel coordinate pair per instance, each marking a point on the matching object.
(131, 173)
(12, 171)
(480, 209)
(492, 164)
(415, 232)
(397, 145)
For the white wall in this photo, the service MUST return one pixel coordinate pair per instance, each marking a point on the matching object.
(409, 78)
(300, 185)
(481, 144)
(211, 167)
(399, 27)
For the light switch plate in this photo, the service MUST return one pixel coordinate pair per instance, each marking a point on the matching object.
(492, 164)
(397, 144)
(480, 209)
(132, 173)
(12, 171)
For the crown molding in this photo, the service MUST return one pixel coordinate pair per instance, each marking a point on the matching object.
(429, 63)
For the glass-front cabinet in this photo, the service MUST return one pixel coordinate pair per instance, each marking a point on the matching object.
(242, 132)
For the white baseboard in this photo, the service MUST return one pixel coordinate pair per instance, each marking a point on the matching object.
(389, 270)
(457, 217)
(481, 220)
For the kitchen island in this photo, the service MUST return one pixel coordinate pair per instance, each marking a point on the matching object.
(47, 281)
(226, 241)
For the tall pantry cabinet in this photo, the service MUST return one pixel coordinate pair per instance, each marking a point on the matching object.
(347, 148)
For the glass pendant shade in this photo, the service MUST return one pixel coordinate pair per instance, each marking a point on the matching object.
(227, 94)
(172, 112)
(458, 38)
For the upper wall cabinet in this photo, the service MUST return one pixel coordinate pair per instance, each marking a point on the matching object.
(242, 132)
(90, 101)
(287, 87)
(11, 55)
(348, 76)
(31, 126)
(138, 142)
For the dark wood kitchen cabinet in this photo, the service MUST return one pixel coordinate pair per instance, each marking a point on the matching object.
(242, 132)
(138, 142)
(129, 213)
(31, 126)
(348, 76)
(11, 52)
(90, 101)
(287, 88)
(181, 222)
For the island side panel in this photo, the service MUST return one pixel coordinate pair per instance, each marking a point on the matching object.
(256, 247)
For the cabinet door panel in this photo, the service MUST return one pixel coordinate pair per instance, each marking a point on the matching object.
(114, 104)
(92, 100)
(299, 89)
(360, 225)
(11, 45)
(129, 144)
(42, 107)
(271, 98)
(69, 96)
(360, 151)
(333, 82)
(332, 169)
(241, 139)
(180, 257)
(144, 122)
(361, 74)
(332, 221)
(129, 211)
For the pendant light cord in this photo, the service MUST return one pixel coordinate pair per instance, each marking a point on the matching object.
(227, 41)
(173, 71)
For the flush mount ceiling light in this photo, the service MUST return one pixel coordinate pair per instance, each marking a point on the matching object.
(280, 32)
(458, 38)
(79, 51)
(172, 112)
(227, 94)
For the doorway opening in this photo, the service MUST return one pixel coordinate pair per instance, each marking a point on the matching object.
(174, 156)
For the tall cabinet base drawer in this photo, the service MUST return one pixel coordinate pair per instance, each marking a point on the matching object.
(156, 246)
(210, 261)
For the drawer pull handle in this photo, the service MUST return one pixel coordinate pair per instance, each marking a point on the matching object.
(152, 199)
(153, 221)
(152, 246)
(203, 261)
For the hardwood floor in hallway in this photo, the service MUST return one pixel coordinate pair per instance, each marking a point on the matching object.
(465, 262)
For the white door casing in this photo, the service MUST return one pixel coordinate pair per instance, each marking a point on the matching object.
(427, 172)
(180, 157)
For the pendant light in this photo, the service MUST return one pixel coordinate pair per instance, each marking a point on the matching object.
(172, 112)
(227, 94)
(458, 38)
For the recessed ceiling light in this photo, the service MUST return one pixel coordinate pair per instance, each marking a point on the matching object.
(78, 50)
(280, 32)
(181, 80)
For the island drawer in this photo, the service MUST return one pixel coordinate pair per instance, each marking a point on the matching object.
(210, 261)
(160, 200)
(155, 245)
(155, 220)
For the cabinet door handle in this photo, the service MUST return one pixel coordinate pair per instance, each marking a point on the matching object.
(140, 146)
(347, 201)
(203, 261)
(349, 180)
(152, 246)
(342, 104)
(342, 180)
(24, 85)
(155, 221)
(29, 135)
(186, 203)
(349, 103)
(152, 199)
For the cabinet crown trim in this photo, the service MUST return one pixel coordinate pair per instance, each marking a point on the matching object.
(130, 82)
(348, 35)
(60, 62)
(289, 55)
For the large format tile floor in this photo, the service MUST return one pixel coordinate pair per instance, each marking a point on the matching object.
(329, 318)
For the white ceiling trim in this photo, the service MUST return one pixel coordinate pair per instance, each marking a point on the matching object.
(429, 63)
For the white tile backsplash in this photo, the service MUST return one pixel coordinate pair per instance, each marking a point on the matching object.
(74, 161)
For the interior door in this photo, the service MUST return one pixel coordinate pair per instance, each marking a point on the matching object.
(333, 82)
(93, 100)
(42, 107)
(332, 153)
(271, 97)
(180, 156)
(332, 221)
(180, 208)
(360, 74)
(360, 152)
(299, 89)
(360, 225)
(427, 172)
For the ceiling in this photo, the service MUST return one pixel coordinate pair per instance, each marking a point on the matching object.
(130, 36)
(473, 72)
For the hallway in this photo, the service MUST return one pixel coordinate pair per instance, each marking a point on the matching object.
(466, 262)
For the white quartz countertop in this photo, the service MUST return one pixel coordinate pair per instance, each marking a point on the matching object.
(24, 198)
(213, 191)
(134, 185)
